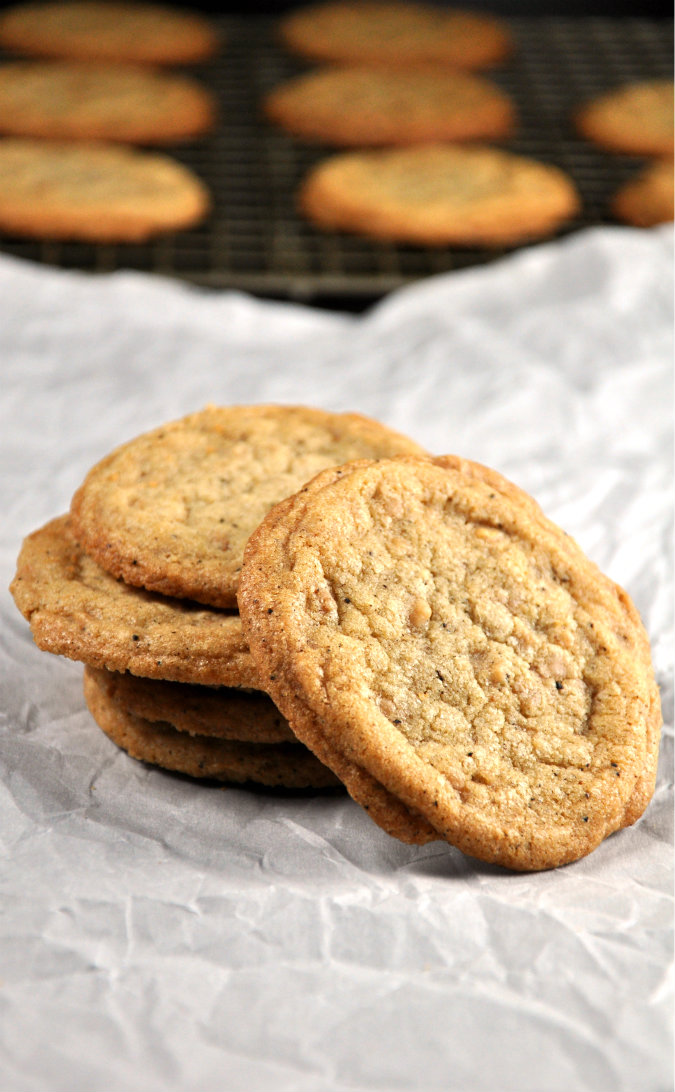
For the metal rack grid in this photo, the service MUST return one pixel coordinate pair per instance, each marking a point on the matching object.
(255, 241)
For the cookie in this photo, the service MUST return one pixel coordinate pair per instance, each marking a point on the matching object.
(458, 648)
(390, 813)
(224, 713)
(369, 106)
(439, 195)
(61, 100)
(280, 765)
(78, 610)
(647, 198)
(94, 192)
(386, 810)
(171, 510)
(396, 34)
(633, 119)
(108, 31)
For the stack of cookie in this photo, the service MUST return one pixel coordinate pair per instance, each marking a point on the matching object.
(636, 119)
(139, 583)
(402, 89)
(427, 638)
(71, 117)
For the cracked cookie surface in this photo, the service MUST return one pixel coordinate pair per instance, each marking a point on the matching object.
(432, 628)
(354, 106)
(633, 119)
(78, 610)
(99, 192)
(172, 509)
(108, 30)
(396, 34)
(438, 194)
(60, 100)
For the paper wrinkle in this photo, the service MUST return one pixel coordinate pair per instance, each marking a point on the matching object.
(167, 936)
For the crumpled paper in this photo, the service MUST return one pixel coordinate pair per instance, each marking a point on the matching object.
(158, 935)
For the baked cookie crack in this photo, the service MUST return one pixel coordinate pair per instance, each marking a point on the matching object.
(455, 663)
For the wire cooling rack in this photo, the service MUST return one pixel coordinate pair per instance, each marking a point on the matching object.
(255, 240)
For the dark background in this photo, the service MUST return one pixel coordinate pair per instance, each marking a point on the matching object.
(648, 9)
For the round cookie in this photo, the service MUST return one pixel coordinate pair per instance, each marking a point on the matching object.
(385, 809)
(226, 713)
(60, 100)
(369, 106)
(94, 192)
(78, 610)
(648, 198)
(439, 195)
(634, 119)
(171, 510)
(104, 30)
(396, 34)
(280, 765)
(460, 650)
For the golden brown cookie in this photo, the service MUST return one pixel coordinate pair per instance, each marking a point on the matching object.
(78, 610)
(385, 809)
(646, 782)
(647, 198)
(634, 119)
(94, 192)
(61, 100)
(247, 716)
(462, 651)
(373, 106)
(104, 30)
(171, 510)
(396, 34)
(439, 195)
(282, 765)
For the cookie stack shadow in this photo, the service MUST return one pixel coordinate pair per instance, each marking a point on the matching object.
(302, 599)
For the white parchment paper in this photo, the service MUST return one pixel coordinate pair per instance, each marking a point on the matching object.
(159, 935)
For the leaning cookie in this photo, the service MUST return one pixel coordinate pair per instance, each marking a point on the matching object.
(439, 195)
(279, 765)
(384, 808)
(396, 34)
(462, 651)
(387, 810)
(633, 119)
(354, 106)
(94, 192)
(648, 198)
(78, 610)
(247, 716)
(105, 30)
(171, 510)
(61, 100)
